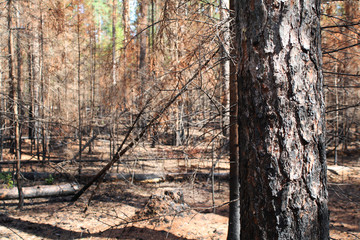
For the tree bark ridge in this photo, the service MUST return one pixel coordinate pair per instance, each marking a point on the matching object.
(282, 147)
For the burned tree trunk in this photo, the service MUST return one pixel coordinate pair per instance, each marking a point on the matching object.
(282, 168)
(234, 206)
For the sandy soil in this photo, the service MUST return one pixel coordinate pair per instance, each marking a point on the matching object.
(166, 210)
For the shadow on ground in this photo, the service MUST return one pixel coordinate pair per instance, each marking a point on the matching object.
(53, 232)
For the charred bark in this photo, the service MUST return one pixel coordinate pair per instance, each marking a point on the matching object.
(282, 168)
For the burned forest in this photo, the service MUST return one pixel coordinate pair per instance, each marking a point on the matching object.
(179, 119)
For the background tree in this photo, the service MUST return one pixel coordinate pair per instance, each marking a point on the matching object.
(340, 32)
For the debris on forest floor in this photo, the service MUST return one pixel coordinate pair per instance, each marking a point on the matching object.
(339, 173)
(161, 207)
(180, 207)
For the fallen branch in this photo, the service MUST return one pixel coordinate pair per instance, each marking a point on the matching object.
(196, 175)
(40, 191)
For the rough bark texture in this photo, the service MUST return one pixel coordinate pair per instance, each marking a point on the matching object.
(282, 152)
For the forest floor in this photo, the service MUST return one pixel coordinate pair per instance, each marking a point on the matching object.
(177, 209)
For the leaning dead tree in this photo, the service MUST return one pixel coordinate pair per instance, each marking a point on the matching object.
(121, 151)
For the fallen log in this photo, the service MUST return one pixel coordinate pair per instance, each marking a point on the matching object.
(196, 175)
(49, 161)
(136, 177)
(6, 162)
(40, 191)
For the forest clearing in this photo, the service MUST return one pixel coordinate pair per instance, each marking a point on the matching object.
(179, 119)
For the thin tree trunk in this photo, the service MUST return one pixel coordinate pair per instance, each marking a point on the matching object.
(234, 206)
(17, 101)
(37, 71)
(179, 130)
(336, 121)
(143, 44)
(14, 107)
(12, 91)
(126, 23)
(225, 67)
(152, 35)
(114, 42)
(18, 82)
(42, 88)
(143, 6)
(93, 79)
(282, 168)
(2, 109)
(30, 60)
(79, 90)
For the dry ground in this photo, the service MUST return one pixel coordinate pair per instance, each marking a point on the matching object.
(124, 210)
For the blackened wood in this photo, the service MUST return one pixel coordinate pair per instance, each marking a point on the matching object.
(283, 191)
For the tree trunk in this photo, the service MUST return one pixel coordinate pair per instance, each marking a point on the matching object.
(93, 79)
(114, 42)
(225, 68)
(17, 100)
(13, 95)
(143, 8)
(79, 90)
(2, 109)
(126, 27)
(31, 127)
(234, 206)
(42, 87)
(143, 70)
(282, 168)
(12, 83)
(17, 106)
